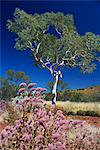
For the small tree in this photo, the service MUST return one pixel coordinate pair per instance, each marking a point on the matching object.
(9, 85)
(54, 42)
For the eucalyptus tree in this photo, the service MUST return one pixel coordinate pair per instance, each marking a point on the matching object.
(54, 42)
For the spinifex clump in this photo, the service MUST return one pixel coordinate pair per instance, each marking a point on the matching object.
(40, 128)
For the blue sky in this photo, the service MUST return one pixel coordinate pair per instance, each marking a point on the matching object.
(87, 18)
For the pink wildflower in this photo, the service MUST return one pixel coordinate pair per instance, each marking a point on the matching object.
(78, 136)
(61, 122)
(17, 122)
(37, 93)
(60, 146)
(51, 146)
(8, 128)
(42, 119)
(38, 138)
(33, 89)
(37, 89)
(27, 137)
(30, 85)
(23, 147)
(77, 122)
(59, 112)
(56, 135)
(42, 89)
(22, 84)
(4, 134)
(21, 90)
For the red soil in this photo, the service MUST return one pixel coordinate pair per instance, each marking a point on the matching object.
(2, 126)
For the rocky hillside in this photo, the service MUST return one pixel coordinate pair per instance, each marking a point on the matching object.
(89, 90)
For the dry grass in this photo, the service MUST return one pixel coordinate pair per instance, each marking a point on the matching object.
(75, 107)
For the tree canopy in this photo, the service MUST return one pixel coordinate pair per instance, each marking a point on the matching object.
(63, 46)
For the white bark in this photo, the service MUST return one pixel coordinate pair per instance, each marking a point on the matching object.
(37, 49)
(54, 91)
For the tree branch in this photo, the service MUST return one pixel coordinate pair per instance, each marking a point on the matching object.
(58, 32)
(35, 52)
(45, 65)
(57, 59)
(98, 59)
(88, 46)
(38, 46)
(64, 59)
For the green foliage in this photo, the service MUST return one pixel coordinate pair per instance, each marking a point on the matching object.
(35, 29)
(78, 97)
(88, 113)
(6, 89)
(9, 85)
(48, 96)
(67, 95)
(71, 96)
(18, 76)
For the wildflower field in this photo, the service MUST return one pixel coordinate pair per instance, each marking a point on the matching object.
(34, 125)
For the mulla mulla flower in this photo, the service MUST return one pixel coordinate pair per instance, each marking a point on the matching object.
(41, 128)
(23, 84)
(30, 85)
(21, 90)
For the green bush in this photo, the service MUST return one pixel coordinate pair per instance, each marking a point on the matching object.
(74, 97)
(79, 97)
(95, 97)
(81, 113)
(48, 97)
(70, 113)
(67, 95)
(88, 113)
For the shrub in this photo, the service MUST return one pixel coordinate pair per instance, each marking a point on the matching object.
(88, 113)
(12, 114)
(81, 113)
(67, 95)
(42, 128)
(91, 113)
(70, 113)
(48, 96)
(95, 97)
(45, 130)
(75, 96)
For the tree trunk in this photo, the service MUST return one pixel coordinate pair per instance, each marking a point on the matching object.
(54, 90)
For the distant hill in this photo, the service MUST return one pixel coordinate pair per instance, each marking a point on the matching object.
(89, 90)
